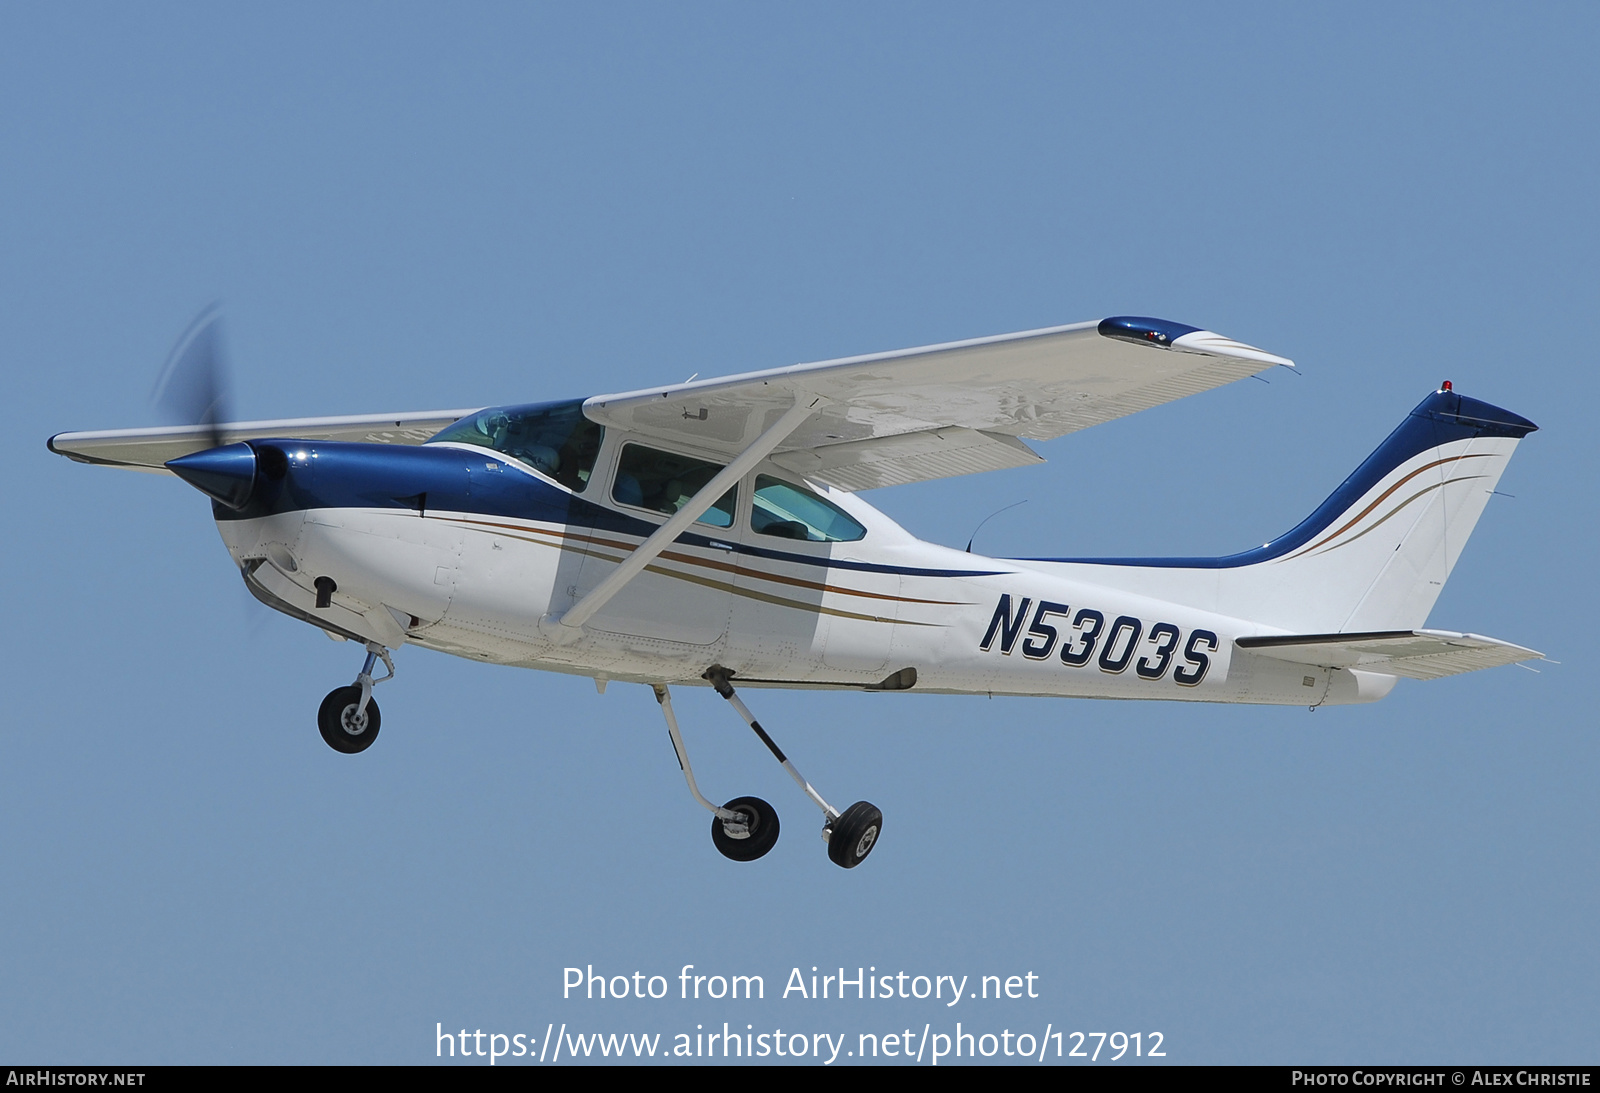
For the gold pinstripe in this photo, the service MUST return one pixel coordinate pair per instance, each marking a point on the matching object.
(560, 540)
(1397, 508)
(1384, 496)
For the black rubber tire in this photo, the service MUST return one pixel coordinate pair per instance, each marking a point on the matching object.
(330, 720)
(763, 830)
(855, 833)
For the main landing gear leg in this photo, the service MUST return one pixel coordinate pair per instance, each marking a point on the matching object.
(850, 834)
(348, 718)
(746, 827)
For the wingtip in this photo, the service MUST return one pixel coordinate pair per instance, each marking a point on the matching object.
(1210, 342)
(72, 455)
(1166, 334)
(1145, 330)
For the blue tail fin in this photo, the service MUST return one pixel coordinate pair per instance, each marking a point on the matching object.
(1376, 553)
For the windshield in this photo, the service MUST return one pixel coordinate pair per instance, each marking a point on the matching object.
(551, 437)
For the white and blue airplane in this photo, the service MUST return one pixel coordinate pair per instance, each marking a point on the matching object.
(712, 532)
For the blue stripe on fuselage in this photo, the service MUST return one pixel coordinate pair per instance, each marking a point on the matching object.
(334, 475)
(1441, 418)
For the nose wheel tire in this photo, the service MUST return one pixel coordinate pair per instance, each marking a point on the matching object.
(342, 728)
(761, 830)
(854, 835)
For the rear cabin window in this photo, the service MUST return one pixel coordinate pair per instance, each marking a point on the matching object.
(794, 512)
(553, 438)
(665, 481)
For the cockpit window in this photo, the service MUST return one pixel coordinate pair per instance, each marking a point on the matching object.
(551, 437)
(794, 512)
(665, 481)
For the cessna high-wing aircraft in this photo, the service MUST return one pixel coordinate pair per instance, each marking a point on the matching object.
(712, 532)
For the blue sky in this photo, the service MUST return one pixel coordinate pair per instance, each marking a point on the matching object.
(408, 207)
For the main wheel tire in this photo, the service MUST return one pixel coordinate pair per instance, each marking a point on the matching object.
(340, 727)
(763, 826)
(855, 833)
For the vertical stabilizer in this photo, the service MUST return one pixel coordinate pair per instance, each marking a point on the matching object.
(1378, 552)
(1374, 555)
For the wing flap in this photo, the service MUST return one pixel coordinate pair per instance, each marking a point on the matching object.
(1037, 384)
(909, 457)
(1414, 654)
(150, 449)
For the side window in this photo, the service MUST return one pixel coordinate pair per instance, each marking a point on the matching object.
(664, 482)
(794, 512)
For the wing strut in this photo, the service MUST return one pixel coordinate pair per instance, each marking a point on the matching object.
(569, 626)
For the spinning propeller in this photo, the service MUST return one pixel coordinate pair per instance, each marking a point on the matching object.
(193, 390)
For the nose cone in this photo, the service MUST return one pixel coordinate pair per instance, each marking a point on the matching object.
(227, 474)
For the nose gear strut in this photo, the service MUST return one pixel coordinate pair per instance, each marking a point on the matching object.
(348, 718)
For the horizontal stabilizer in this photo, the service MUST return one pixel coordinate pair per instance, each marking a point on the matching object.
(1414, 654)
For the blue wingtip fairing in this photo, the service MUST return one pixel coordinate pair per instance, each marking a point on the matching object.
(1442, 417)
(1144, 330)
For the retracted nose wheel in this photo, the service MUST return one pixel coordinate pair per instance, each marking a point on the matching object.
(751, 839)
(854, 834)
(344, 724)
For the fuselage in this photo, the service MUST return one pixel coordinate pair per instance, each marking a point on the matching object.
(469, 551)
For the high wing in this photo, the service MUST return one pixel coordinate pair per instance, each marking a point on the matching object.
(1414, 654)
(879, 420)
(941, 410)
(149, 449)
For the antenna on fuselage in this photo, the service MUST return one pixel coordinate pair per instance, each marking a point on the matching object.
(991, 516)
